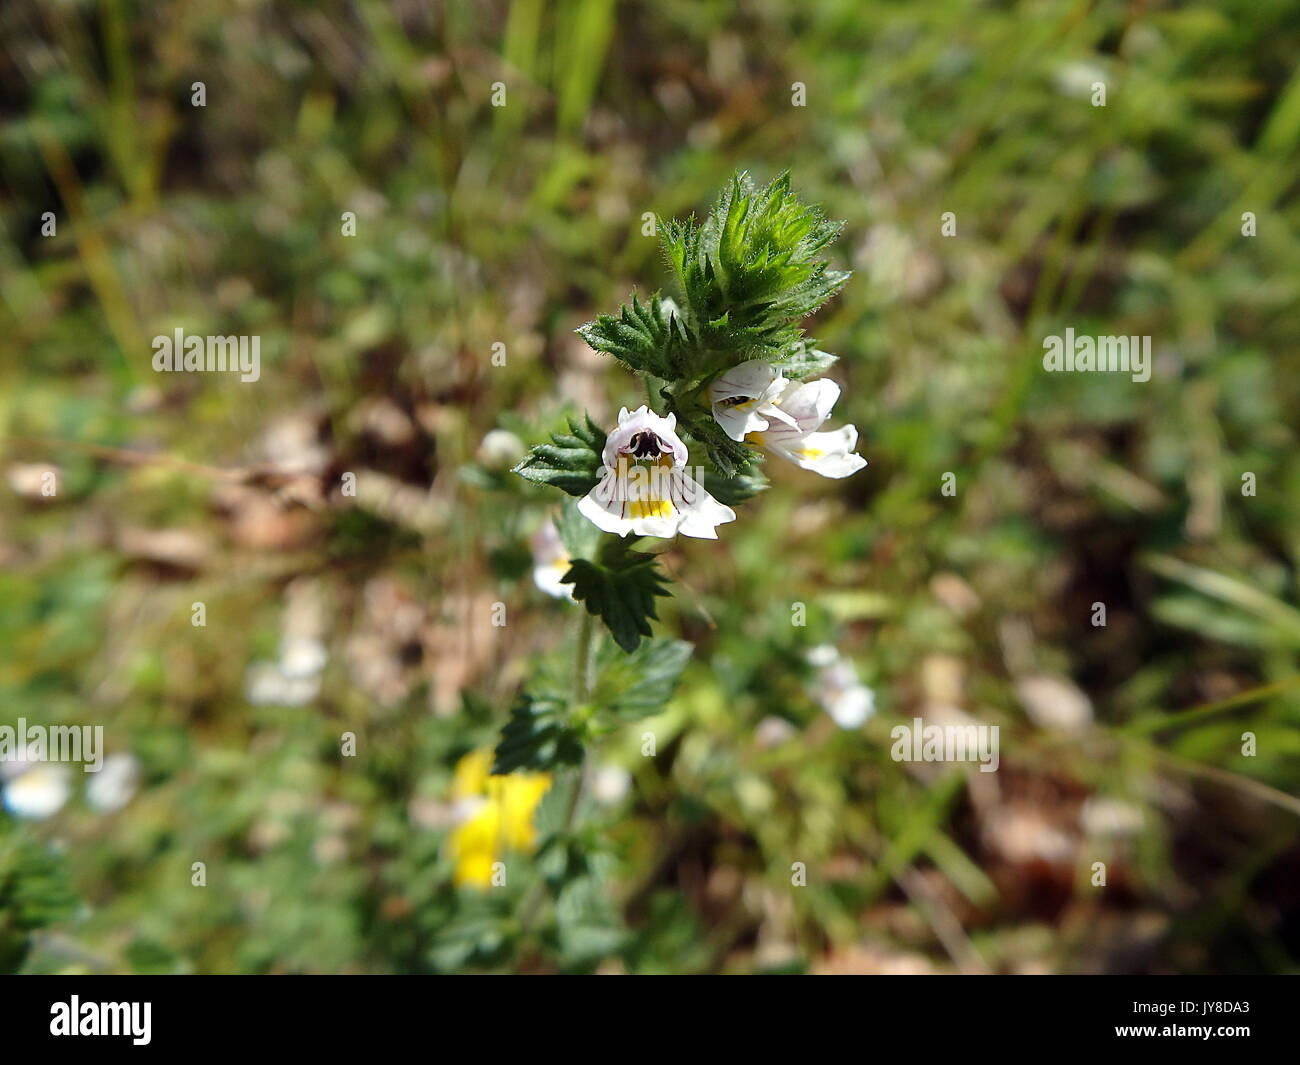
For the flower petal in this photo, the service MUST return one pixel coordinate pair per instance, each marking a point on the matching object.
(549, 578)
(550, 561)
(604, 508)
(642, 420)
(808, 404)
(738, 420)
(829, 454)
(744, 398)
(701, 514)
(637, 500)
(747, 380)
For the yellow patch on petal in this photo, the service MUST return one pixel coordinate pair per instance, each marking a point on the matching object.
(811, 453)
(650, 508)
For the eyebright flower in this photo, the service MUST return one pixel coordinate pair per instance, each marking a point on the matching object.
(550, 561)
(746, 394)
(838, 690)
(645, 489)
(745, 397)
(496, 815)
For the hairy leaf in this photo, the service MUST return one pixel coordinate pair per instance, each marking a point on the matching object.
(638, 684)
(571, 462)
(752, 270)
(537, 737)
(620, 589)
(647, 337)
(734, 490)
(804, 360)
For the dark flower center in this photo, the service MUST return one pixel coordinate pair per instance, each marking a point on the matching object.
(645, 445)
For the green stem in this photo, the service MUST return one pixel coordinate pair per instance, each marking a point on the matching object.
(581, 693)
(582, 660)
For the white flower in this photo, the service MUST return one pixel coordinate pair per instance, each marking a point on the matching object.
(550, 561)
(266, 684)
(797, 438)
(644, 489)
(610, 784)
(500, 450)
(838, 690)
(745, 397)
(113, 786)
(302, 657)
(38, 792)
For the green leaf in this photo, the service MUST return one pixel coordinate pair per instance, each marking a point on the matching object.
(35, 892)
(619, 589)
(478, 936)
(538, 736)
(571, 462)
(636, 685)
(734, 490)
(552, 811)
(35, 886)
(588, 925)
(804, 360)
(645, 336)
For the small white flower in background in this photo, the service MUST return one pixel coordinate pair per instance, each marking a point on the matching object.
(29, 480)
(798, 440)
(266, 684)
(610, 784)
(550, 561)
(644, 489)
(36, 790)
(301, 657)
(837, 689)
(114, 785)
(745, 397)
(500, 450)
(1110, 817)
(294, 679)
(773, 731)
(1077, 79)
(1055, 703)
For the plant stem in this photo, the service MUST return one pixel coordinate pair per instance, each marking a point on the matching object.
(582, 660)
(581, 692)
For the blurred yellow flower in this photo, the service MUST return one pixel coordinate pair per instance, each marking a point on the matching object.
(500, 816)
